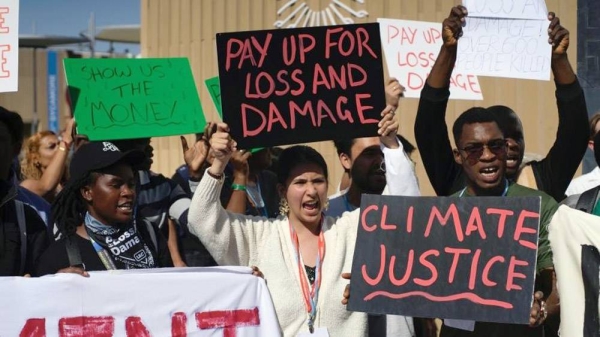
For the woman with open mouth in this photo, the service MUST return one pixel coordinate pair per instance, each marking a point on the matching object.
(302, 253)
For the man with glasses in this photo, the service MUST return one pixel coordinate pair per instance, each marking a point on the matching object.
(552, 174)
(481, 152)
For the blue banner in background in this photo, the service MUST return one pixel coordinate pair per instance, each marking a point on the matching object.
(52, 87)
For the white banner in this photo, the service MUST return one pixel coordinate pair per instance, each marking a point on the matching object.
(161, 302)
(411, 48)
(575, 240)
(9, 45)
(515, 9)
(509, 43)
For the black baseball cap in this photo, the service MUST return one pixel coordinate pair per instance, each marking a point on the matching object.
(95, 156)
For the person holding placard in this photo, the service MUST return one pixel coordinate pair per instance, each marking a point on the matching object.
(44, 163)
(302, 253)
(95, 213)
(552, 174)
(481, 151)
(368, 161)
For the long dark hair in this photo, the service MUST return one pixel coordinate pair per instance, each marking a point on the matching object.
(69, 207)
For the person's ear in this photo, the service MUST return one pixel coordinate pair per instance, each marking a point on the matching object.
(457, 157)
(86, 193)
(591, 145)
(346, 162)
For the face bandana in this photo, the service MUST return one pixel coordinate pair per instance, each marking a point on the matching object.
(119, 247)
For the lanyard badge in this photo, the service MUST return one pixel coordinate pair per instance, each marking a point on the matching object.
(310, 294)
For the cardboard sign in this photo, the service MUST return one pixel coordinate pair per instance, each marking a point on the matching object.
(575, 241)
(411, 48)
(9, 45)
(505, 38)
(134, 98)
(515, 9)
(214, 89)
(460, 258)
(173, 302)
(301, 85)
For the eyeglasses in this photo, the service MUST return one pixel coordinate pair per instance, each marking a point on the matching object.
(475, 151)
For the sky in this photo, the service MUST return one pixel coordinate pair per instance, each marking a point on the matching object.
(71, 17)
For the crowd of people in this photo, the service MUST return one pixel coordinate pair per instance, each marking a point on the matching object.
(70, 205)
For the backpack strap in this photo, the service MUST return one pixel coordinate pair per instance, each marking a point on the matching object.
(20, 208)
(73, 252)
(587, 200)
(152, 233)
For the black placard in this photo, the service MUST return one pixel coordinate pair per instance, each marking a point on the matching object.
(301, 85)
(472, 258)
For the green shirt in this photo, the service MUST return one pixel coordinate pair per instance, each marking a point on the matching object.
(547, 209)
(597, 209)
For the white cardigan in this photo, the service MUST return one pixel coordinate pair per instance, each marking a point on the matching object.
(240, 240)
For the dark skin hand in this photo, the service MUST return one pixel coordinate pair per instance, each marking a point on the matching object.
(74, 270)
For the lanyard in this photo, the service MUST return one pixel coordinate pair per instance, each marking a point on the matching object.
(309, 293)
(103, 254)
(462, 193)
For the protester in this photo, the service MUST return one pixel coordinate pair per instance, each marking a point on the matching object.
(552, 174)
(95, 212)
(44, 163)
(39, 204)
(372, 166)
(591, 179)
(159, 198)
(300, 247)
(23, 234)
(197, 159)
(481, 151)
(369, 163)
(589, 200)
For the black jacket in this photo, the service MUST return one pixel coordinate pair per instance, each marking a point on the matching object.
(552, 174)
(10, 236)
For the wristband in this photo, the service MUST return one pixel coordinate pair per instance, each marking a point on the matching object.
(220, 177)
(238, 187)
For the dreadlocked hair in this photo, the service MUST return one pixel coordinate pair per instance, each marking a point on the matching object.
(69, 207)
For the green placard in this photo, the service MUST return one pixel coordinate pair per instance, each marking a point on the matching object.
(214, 89)
(134, 98)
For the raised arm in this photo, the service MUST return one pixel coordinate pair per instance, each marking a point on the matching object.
(232, 239)
(563, 159)
(55, 170)
(399, 169)
(431, 131)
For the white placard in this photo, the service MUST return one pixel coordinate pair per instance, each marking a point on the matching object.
(513, 48)
(411, 48)
(162, 302)
(575, 240)
(509, 9)
(9, 45)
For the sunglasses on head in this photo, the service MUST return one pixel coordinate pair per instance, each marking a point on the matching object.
(474, 151)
